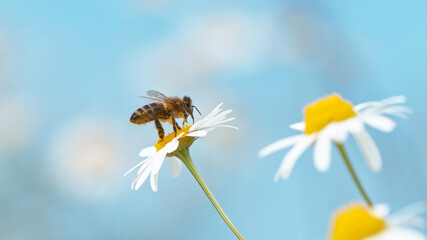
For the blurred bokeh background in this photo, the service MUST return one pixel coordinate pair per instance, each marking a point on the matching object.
(71, 73)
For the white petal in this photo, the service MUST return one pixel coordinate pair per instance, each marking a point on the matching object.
(215, 119)
(224, 121)
(149, 161)
(393, 100)
(227, 126)
(218, 118)
(196, 125)
(292, 156)
(379, 104)
(338, 132)
(142, 175)
(148, 151)
(157, 164)
(381, 210)
(360, 107)
(213, 123)
(209, 127)
(199, 124)
(175, 166)
(409, 215)
(198, 133)
(139, 164)
(300, 126)
(379, 122)
(158, 161)
(322, 153)
(154, 181)
(400, 233)
(400, 111)
(369, 150)
(173, 145)
(206, 120)
(215, 111)
(417, 222)
(354, 125)
(280, 144)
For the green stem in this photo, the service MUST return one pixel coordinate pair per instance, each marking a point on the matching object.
(353, 174)
(184, 155)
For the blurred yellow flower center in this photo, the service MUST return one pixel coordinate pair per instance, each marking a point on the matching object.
(161, 143)
(326, 110)
(355, 223)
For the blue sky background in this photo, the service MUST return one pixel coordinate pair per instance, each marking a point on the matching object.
(71, 73)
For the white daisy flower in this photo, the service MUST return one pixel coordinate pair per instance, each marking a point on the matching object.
(359, 222)
(330, 120)
(170, 147)
(177, 149)
(84, 159)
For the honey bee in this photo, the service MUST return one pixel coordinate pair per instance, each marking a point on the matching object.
(164, 109)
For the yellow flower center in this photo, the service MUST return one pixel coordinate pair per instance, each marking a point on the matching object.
(161, 143)
(355, 223)
(326, 110)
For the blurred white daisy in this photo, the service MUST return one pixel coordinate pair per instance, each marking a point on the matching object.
(170, 147)
(86, 159)
(330, 120)
(357, 222)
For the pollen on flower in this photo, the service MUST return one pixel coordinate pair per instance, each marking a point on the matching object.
(355, 223)
(162, 142)
(326, 110)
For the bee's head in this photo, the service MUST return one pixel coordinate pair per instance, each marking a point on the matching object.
(188, 106)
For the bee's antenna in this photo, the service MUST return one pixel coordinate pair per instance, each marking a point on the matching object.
(197, 110)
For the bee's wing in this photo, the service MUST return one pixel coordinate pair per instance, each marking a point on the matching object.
(156, 96)
(151, 99)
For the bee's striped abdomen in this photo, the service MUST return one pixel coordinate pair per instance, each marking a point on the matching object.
(148, 113)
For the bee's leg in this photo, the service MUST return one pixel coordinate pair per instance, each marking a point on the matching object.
(175, 126)
(159, 129)
(185, 120)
